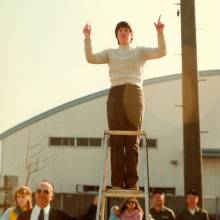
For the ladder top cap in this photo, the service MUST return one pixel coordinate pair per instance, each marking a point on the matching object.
(124, 193)
(129, 133)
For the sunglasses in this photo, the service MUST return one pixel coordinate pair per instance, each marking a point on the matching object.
(44, 191)
(131, 202)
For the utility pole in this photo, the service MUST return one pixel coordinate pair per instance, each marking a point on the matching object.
(191, 124)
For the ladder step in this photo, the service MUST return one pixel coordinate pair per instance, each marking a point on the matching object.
(124, 193)
(126, 133)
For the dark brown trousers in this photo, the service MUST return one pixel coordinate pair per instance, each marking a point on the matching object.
(125, 110)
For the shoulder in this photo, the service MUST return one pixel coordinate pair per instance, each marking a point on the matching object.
(152, 210)
(203, 211)
(109, 50)
(142, 49)
(58, 214)
(168, 209)
(25, 215)
(56, 211)
(9, 209)
(138, 213)
(6, 214)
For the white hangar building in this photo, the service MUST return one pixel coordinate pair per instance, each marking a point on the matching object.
(65, 142)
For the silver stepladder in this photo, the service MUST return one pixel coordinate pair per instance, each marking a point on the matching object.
(104, 193)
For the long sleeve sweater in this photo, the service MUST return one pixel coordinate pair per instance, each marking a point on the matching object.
(125, 63)
(135, 215)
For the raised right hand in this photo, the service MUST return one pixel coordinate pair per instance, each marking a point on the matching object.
(87, 30)
(159, 26)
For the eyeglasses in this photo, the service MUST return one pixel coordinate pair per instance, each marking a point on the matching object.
(131, 202)
(44, 191)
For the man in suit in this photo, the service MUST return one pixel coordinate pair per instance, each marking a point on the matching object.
(192, 211)
(43, 211)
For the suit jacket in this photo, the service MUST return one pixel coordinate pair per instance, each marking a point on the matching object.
(56, 214)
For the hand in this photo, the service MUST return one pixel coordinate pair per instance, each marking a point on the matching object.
(159, 26)
(117, 211)
(87, 30)
(95, 201)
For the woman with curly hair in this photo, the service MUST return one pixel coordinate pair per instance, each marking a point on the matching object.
(23, 202)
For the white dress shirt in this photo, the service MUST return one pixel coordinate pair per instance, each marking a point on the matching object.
(36, 211)
(192, 211)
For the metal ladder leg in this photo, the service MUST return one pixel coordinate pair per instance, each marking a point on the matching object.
(102, 185)
(146, 176)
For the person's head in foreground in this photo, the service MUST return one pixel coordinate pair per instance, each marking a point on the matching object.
(44, 194)
(130, 205)
(23, 198)
(123, 33)
(192, 199)
(158, 199)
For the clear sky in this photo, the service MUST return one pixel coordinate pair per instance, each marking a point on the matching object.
(42, 63)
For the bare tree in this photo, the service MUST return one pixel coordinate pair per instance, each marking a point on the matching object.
(34, 158)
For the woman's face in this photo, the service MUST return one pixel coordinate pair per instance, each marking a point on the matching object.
(22, 200)
(124, 35)
(131, 204)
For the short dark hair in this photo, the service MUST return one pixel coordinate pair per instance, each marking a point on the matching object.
(192, 192)
(122, 24)
(158, 191)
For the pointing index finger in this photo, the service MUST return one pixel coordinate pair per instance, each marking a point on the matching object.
(159, 19)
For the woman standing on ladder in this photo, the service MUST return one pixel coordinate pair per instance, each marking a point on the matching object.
(125, 105)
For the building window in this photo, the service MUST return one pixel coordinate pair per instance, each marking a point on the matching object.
(95, 142)
(151, 143)
(82, 142)
(86, 188)
(68, 141)
(62, 141)
(76, 141)
(55, 141)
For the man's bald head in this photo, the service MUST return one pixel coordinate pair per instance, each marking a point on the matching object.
(44, 193)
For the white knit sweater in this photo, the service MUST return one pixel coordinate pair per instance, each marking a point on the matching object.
(125, 62)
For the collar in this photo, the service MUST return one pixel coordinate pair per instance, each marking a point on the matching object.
(124, 46)
(196, 209)
(158, 211)
(46, 209)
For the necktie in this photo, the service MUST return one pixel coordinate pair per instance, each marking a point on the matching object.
(41, 215)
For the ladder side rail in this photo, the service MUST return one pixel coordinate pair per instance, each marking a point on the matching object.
(146, 176)
(103, 207)
(104, 198)
(102, 176)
